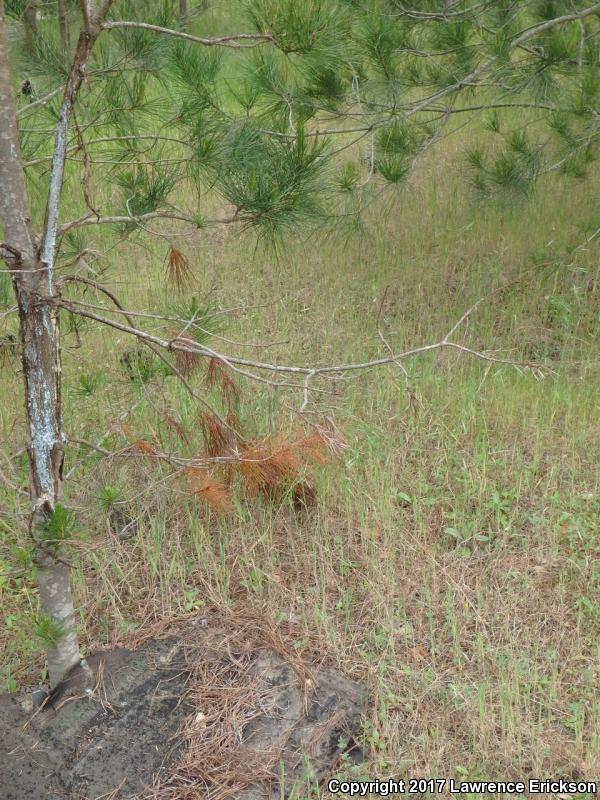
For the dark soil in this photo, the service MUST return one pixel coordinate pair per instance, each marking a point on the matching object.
(83, 747)
(137, 733)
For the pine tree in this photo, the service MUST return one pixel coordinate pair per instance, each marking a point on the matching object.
(318, 84)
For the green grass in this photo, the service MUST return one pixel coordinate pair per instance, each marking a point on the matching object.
(452, 560)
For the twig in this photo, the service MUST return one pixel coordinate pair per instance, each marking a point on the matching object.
(99, 287)
(188, 323)
(41, 101)
(86, 167)
(120, 418)
(306, 398)
(233, 362)
(90, 219)
(233, 40)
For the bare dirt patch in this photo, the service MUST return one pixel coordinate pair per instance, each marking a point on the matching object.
(213, 708)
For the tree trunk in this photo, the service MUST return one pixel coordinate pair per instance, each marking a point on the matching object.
(40, 345)
(39, 335)
(30, 21)
(32, 271)
(63, 25)
(184, 13)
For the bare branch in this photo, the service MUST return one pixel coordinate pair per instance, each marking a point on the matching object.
(528, 33)
(82, 144)
(234, 362)
(86, 168)
(441, 16)
(90, 219)
(305, 391)
(412, 397)
(233, 40)
(42, 101)
(86, 41)
(464, 317)
(86, 12)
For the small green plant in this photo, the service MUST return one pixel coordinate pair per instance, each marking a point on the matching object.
(109, 496)
(191, 600)
(9, 680)
(501, 505)
(462, 535)
(255, 580)
(588, 608)
(88, 384)
(59, 527)
(139, 364)
(49, 631)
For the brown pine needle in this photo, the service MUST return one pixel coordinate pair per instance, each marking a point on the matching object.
(145, 447)
(216, 495)
(214, 492)
(177, 269)
(217, 438)
(270, 465)
(216, 375)
(186, 361)
(176, 426)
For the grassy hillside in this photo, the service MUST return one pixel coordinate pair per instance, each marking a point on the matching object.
(451, 557)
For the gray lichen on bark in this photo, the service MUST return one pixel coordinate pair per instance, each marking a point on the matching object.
(39, 334)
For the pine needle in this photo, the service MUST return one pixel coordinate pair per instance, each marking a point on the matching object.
(177, 269)
(214, 492)
(176, 426)
(216, 495)
(186, 361)
(145, 447)
(217, 438)
(216, 375)
(269, 466)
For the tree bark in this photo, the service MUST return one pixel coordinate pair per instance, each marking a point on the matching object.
(63, 25)
(39, 336)
(32, 271)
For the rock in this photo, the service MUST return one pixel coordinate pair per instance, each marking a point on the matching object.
(38, 696)
(305, 728)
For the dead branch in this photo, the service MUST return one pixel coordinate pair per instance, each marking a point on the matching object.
(91, 219)
(187, 323)
(243, 365)
(233, 40)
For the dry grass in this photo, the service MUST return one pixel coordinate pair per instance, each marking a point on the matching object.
(225, 694)
(450, 559)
